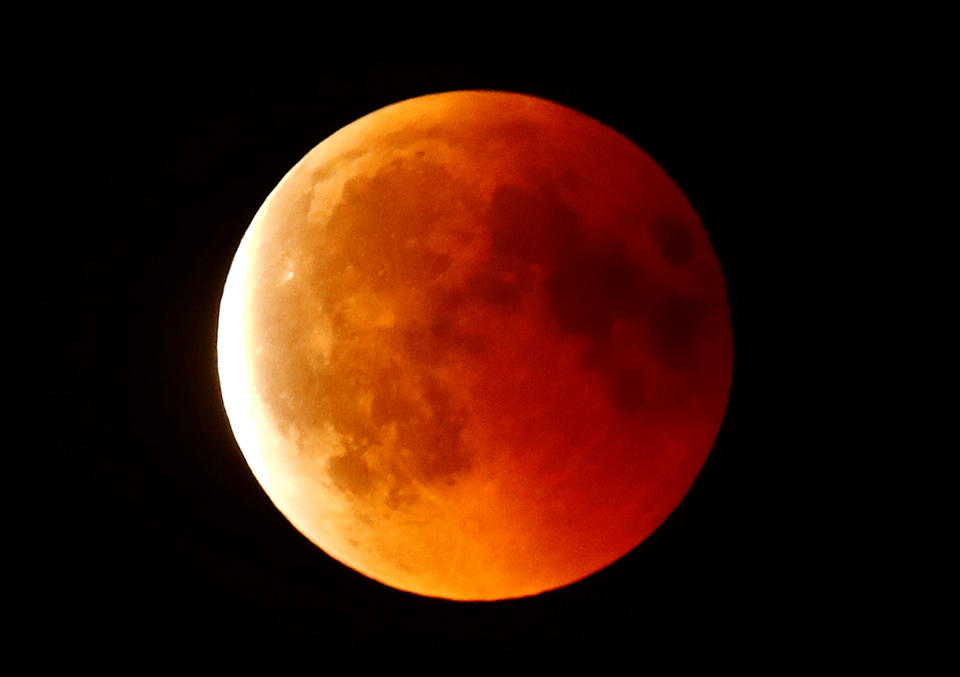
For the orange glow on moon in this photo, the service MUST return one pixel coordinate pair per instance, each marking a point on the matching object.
(475, 345)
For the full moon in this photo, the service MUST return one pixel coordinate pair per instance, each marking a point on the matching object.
(475, 345)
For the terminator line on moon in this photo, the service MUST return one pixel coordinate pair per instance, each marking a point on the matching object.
(475, 345)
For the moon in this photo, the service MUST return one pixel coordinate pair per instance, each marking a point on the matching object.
(475, 345)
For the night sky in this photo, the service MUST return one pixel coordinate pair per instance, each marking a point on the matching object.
(164, 541)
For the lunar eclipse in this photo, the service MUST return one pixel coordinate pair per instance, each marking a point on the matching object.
(475, 345)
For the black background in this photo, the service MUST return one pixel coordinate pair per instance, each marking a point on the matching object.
(164, 542)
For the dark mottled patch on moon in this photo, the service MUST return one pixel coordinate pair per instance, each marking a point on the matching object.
(674, 240)
(529, 228)
(591, 283)
(676, 323)
(591, 286)
(430, 342)
(350, 472)
(627, 392)
(496, 290)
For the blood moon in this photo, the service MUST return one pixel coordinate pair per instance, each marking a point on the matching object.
(475, 345)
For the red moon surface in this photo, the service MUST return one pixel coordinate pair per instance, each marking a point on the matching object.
(475, 345)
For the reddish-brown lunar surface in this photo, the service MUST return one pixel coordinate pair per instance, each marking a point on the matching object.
(475, 345)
